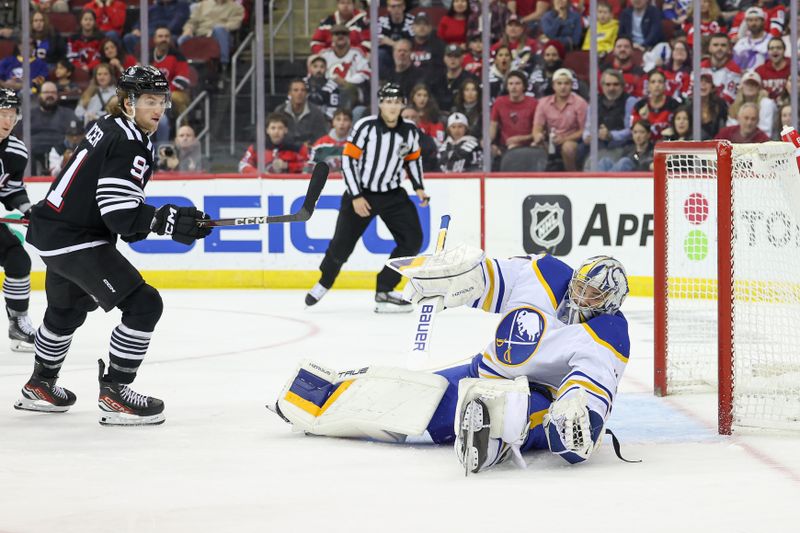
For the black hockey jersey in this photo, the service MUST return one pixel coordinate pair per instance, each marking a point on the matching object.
(99, 194)
(13, 159)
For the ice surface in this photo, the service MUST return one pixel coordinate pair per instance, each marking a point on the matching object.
(222, 462)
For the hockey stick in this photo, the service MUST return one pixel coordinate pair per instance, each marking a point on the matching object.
(318, 178)
(419, 356)
(23, 221)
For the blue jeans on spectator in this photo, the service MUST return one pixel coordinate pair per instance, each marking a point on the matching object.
(624, 164)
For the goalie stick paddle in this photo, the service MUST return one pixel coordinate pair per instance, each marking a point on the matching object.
(419, 356)
(318, 178)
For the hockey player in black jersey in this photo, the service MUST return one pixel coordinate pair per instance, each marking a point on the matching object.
(13, 257)
(98, 195)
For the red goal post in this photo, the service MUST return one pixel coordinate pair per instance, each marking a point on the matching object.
(727, 278)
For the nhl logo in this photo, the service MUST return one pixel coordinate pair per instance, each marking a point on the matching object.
(403, 150)
(547, 224)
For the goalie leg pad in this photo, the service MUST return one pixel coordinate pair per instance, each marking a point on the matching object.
(492, 421)
(380, 403)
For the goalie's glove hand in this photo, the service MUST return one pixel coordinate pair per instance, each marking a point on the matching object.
(180, 223)
(572, 429)
(454, 274)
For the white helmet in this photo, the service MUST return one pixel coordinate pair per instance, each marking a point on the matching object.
(597, 287)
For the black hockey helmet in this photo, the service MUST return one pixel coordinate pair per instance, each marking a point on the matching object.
(140, 79)
(390, 90)
(9, 100)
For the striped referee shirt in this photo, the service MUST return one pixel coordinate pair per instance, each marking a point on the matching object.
(376, 157)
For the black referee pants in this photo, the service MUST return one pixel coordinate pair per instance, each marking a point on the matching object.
(400, 216)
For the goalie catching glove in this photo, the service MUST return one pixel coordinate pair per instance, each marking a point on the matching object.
(180, 223)
(455, 274)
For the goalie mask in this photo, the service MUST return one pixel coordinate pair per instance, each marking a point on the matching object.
(598, 286)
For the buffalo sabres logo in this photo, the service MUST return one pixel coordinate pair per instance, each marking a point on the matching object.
(518, 335)
(547, 224)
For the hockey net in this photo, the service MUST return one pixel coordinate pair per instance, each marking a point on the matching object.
(727, 278)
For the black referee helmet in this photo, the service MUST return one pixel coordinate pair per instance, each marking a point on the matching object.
(390, 90)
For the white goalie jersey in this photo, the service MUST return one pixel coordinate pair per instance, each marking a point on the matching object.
(531, 341)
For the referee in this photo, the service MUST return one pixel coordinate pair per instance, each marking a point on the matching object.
(374, 157)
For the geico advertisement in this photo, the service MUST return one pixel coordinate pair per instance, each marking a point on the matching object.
(295, 246)
(572, 218)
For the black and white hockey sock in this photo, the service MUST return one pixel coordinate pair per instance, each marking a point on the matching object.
(50, 350)
(17, 292)
(126, 352)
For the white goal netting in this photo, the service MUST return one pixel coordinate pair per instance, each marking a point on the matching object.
(766, 280)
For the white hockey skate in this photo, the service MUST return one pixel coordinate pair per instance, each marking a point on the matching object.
(21, 333)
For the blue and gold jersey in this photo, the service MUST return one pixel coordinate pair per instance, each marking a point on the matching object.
(530, 341)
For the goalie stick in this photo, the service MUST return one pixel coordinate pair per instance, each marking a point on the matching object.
(419, 356)
(318, 178)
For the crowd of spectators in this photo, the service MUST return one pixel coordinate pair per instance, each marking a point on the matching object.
(538, 83)
(74, 68)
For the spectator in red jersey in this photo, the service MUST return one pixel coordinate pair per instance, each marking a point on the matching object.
(112, 54)
(83, 48)
(775, 72)
(468, 103)
(427, 50)
(559, 120)
(522, 47)
(174, 67)
(751, 91)
(530, 12)
(347, 15)
(429, 115)
(655, 107)
(473, 57)
(678, 71)
(711, 21)
(774, 19)
(750, 51)
(622, 59)
(328, 148)
(725, 72)
(512, 116)
(280, 156)
(746, 130)
(110, 16)
(563, 24)
(348, 67)
(453, 26)
(498, 18)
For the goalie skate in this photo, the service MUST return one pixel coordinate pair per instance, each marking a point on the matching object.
(475, 449)
(122, 406)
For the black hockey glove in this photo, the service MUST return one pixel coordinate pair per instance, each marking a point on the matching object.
(180, 223)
